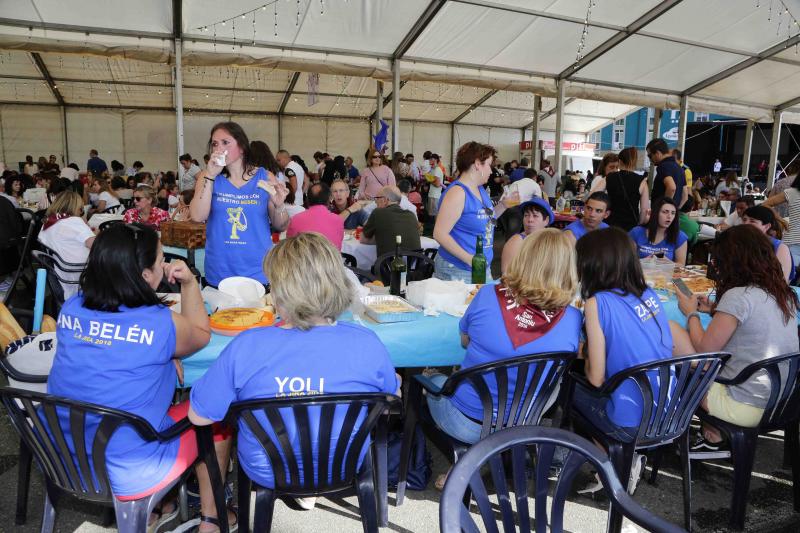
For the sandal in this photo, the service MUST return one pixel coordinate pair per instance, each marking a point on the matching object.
(163, 518)
(213, 520)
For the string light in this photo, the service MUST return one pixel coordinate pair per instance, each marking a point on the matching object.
(783, 10)
(584, 33)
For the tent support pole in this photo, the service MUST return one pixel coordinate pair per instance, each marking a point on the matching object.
(748, 148)
(536, 154)
(378, 109)
(280, 132)
(657, 113)
(452, 145)
(395, 106)
(773, 152)
(559, 166)
(684, 115)
(179, 95)
(64, 139)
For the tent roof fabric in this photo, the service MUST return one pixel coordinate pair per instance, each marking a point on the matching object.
(470, 61)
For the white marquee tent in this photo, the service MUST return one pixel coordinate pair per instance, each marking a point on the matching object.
(124, 76)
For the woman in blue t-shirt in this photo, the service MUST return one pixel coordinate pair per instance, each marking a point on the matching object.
(764, 219)
(662, 236)
(309, 353)
(465, 212)
(540, 284)
(119, 346)
(625, 326)
(239, 201)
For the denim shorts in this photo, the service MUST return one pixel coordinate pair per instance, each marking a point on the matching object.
(593, 409)
(449, 418)
(447, 271)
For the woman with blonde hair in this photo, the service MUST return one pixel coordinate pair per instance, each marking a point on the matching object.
(68, 235)
(144, 209)
(538, 287)
(310, 290)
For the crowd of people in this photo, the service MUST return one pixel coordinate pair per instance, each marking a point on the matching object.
(244, 193)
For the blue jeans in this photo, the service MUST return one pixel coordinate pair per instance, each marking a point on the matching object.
(593, 409)
(449, 418)
(447, 271)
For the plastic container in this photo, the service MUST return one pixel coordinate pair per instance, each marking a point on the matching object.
(409, 313)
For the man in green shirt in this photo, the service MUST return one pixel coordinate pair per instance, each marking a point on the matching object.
(389, 220)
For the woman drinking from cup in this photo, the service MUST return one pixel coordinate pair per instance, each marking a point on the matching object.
(240, 202)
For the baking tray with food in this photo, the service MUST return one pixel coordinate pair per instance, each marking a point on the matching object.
(389, 308)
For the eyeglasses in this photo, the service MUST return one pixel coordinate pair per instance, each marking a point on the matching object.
(138, 198)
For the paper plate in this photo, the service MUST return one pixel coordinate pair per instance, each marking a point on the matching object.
(242, 288)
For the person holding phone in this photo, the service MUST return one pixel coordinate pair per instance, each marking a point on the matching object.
(240, 203)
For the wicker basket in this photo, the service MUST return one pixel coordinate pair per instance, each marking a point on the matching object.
(189, 235)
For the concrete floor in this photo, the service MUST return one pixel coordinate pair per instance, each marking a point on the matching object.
(769, 503)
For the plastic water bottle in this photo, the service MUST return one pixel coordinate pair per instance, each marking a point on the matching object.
(560, 203)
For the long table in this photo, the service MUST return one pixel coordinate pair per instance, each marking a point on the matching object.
(429, 341)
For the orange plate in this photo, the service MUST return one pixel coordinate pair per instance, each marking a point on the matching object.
(233, 321)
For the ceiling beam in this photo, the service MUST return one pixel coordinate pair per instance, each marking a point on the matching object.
(289, 90)
(177, 19)
(36, 24)
(477, 104)
(766, 54)
(546, 114)
(37, 60)
(537, 13)
(418, 27)
(786, 105)
(636, 25)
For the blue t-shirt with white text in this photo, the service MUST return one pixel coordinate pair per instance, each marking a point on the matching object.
(647, 248)
(274, 362)
(636, 331)
(121, 360)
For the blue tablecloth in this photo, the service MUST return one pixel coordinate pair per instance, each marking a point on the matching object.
(429, 341)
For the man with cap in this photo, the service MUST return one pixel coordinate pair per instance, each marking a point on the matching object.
(536, 215)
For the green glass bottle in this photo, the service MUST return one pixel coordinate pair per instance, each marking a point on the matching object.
(479, 262)
(397, 271)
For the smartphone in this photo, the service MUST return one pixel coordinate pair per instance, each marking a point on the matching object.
(682, 287)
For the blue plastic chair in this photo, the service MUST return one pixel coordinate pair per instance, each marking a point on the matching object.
(522, 406)
(51, 442)
(506, 454)
(290, 418)
(782, 412)
(665, 416)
